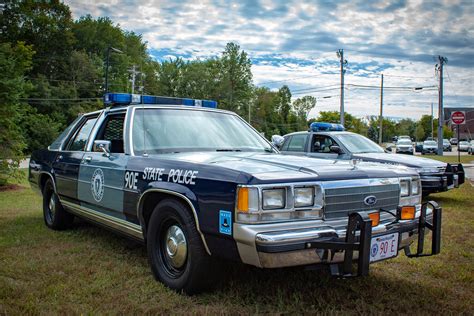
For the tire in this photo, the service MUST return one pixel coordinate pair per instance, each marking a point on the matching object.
(54, 215)
(176, 253)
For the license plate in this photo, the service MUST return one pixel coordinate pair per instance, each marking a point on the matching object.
(384, 247)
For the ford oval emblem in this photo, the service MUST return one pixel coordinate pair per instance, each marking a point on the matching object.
(370, 200)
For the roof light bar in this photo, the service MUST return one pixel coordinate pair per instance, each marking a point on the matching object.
(118, 99)
(322, 126)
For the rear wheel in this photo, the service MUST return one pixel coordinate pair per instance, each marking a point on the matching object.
(55, 216)
(175, 249)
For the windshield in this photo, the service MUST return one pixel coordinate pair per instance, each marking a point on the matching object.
(463, 143)
(176, 130)
(404, 142)
(445, 141)
(358, 144)
(430, 143)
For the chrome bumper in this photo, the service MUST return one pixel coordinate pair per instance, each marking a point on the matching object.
(312, 242)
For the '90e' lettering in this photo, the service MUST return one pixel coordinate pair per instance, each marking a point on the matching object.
(131, 179)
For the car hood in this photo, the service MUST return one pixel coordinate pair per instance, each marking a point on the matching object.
(408, 161)
(279, 168)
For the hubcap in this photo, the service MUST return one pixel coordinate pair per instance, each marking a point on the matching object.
(52, 207)
(176, 246)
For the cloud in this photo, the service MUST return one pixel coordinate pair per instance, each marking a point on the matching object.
(291, 39)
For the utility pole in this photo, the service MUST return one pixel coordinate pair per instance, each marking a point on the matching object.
(381, 110)
(439, 67)
(431, 120)
(133, 71)
(343, 62)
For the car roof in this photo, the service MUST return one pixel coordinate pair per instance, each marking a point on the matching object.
(320, 133)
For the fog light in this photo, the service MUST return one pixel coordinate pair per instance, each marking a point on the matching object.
(407, 212)
(375, 217)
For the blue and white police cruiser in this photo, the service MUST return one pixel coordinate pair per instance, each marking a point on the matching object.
(331, 141)
(195, 184)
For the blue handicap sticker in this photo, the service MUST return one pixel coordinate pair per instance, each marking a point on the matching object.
(225, 222)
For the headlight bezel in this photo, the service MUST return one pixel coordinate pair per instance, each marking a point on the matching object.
(259, 215)
(405, 187)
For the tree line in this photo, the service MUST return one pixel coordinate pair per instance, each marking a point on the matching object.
(52, 68)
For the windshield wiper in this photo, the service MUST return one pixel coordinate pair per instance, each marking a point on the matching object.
(268, 150)
(228, 149)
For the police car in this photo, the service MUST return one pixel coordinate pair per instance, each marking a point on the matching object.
(196, 184)
(331, 141)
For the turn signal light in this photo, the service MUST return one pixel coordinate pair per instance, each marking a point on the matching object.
(375, 217)
(243, 200)
(407, 212)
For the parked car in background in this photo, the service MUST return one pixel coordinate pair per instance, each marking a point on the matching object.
(419, 147)
(447, 145)
(453, 141)
(429, 147)
(463, 145)
(324, 141)
(404, 146)
(404, 137)
(470, 151)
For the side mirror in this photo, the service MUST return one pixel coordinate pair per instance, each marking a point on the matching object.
(102, 146)
(278, 141)
(335, 149)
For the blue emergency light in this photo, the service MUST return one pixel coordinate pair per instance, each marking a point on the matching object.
(322, 126)
(117, 99)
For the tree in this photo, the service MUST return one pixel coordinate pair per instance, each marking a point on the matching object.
(284, 103)
(15, 60)
(235, 79)
(419, 132)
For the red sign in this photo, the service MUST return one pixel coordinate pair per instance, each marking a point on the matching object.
(458, 117)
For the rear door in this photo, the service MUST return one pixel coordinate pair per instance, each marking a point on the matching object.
(101, 176)
(295, 144)
(67, 161)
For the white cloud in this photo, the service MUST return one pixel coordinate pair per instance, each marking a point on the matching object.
(288, 40)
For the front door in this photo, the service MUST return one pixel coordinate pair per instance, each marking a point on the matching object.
(101, 176)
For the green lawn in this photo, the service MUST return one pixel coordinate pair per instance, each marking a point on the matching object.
(452, 159)
(88, 270)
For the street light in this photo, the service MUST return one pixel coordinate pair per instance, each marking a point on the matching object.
(109, 49)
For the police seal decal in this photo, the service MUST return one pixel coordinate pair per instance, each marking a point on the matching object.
(97, 185)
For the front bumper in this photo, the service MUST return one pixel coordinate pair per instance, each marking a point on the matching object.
(298, 244)
(451, 178)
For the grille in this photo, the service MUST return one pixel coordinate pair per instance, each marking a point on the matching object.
(339, 202)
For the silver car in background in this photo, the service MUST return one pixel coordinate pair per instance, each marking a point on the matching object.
(404, 146)
(463, 146)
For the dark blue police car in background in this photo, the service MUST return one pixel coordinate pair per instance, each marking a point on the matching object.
(330, 141)
(195, 183)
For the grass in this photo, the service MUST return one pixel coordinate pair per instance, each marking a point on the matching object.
(451, 159)
(88, 270)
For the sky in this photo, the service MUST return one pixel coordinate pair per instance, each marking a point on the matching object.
(294, 42)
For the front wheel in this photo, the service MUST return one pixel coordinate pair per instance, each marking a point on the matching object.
(177, 255)
(55, 216)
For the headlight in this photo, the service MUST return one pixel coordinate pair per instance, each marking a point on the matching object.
(304, 197)
(415, 187)
(404, 187)
(273, 199)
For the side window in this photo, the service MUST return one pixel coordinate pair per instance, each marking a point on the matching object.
(322, 144)
(284, 147)
(297, 142)
(112, 130)
(79, 140)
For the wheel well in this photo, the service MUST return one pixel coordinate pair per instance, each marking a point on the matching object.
(152, 199)
(42, 181)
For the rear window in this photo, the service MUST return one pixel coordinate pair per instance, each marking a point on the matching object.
(58, 141)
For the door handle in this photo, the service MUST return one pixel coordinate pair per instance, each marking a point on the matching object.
(60, 157)
(87, 159)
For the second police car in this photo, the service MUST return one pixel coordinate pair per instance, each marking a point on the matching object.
(195, 183)
(331, 141)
